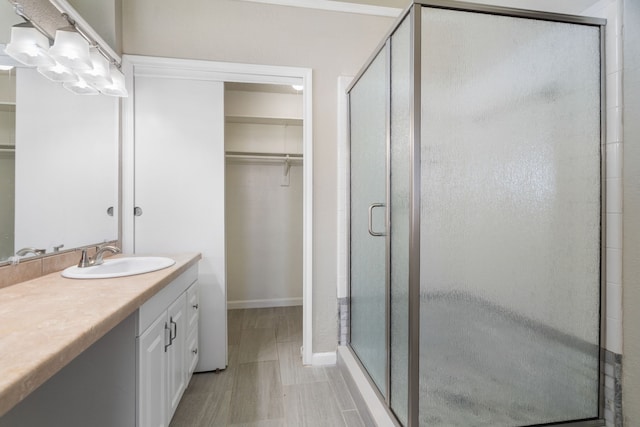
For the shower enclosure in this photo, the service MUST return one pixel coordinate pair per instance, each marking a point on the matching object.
(476, 217)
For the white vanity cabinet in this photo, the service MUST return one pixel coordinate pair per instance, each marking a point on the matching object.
(166, 325)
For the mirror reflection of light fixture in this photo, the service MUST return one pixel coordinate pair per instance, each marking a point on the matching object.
(71, 49)
(6, 67)
(29, 46)
(117, 86)
(99, 75)
(80, 87)
(297, 87)
(58, 73)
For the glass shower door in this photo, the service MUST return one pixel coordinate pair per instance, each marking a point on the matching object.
(368, 276)
(510, 220)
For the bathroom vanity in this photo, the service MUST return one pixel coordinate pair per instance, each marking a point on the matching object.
(100, 352)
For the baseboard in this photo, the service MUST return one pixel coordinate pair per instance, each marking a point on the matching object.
(262, 303)
(319, 359)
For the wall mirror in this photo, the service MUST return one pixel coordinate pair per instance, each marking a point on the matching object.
(58, 160)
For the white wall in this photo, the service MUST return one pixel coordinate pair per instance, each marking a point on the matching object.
(254, 104)
(7, 162)
(104, 18)
(7, 125)
(611, 10)
(8, 87)
(7, 196)
(264, 234)
(631, 236)
(330, 43)
(263, 138)
(7, 19)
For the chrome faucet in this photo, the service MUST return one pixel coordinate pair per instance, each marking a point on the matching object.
(87, 261)
(25, 251)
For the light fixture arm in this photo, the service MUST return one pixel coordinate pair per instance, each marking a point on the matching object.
(19, 10)
(89, 40)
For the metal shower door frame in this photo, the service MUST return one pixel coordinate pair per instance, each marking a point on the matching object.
(412, 12)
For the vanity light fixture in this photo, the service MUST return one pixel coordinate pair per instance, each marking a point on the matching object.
(117, 86)
(29, 46)
(6, 67)
(99, 75)
(71, 50)
(81, 87)
(79, 59)
(297, 87)
(58, 73)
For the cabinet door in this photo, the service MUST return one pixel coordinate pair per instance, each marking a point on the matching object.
(152, 376)
(176, 354)
(179, 188)
(192, 353)
(193, 308)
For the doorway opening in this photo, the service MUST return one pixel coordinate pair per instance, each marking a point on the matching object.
(264, 192)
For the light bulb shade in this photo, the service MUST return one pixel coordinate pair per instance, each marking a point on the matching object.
(58, 73)
(81, 87)
(117, 86)
(99, 75)
(71, 50)
(29, 46)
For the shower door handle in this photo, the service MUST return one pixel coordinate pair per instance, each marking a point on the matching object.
(371, 208)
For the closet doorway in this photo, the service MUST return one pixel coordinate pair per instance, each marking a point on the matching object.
(264, 217)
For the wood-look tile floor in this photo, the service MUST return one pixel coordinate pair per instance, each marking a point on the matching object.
(265, 384)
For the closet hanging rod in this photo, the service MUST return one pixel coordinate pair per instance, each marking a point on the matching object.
(7, 148)
(266, 156)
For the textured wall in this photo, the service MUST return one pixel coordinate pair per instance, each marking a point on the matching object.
(631, 257)
(264, 233)
(330, 43)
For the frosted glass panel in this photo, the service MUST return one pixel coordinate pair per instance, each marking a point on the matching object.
(510, 220)
(400, 185)
(368, 187)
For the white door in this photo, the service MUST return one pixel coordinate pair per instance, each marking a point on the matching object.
(179, 190)
(152, 375)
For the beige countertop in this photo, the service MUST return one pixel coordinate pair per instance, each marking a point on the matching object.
(46, 322)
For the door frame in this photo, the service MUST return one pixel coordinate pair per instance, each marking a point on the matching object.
(134, 65)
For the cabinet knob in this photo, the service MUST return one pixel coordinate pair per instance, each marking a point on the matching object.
(195, 306)
(194, 351)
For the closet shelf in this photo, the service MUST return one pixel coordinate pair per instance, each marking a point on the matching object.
(264, 120)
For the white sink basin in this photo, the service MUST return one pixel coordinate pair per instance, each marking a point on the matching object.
(119, 267)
